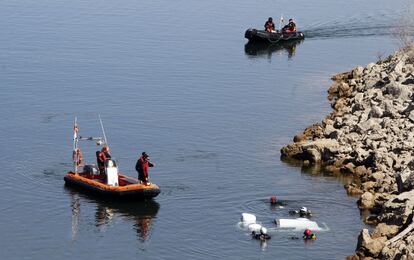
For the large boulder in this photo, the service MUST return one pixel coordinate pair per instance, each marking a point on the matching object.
(313, 151)
(405, 180)
(398, 209)
(383, 229)
(376, 112)
(367, 201)
(398, 91)
(357, 72)
(368, 246)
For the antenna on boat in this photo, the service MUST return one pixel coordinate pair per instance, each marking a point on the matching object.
(103, 130)
(280, 22)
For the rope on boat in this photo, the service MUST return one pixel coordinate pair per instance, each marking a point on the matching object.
(285, 39)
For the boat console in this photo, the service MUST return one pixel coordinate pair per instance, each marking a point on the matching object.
(111, 171)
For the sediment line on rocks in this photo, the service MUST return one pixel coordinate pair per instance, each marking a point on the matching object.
(370, 134)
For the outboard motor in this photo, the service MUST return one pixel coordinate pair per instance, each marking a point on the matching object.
(111, 171)
(90, 169)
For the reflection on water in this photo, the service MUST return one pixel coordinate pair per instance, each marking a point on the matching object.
(263, 49)
(140, 213)
(75, 205)
(318, 170)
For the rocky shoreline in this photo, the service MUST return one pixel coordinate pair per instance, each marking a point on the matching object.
(370, 135)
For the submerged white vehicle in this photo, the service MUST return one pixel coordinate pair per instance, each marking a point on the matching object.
(249, 221)
(297, 223)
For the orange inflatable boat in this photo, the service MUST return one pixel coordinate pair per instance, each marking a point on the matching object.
(105, 179)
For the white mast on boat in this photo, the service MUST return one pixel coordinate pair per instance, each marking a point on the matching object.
(75, 145)
(103, 131)
(281, 22)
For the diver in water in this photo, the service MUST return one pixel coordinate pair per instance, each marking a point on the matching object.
(308, 235)
(274, 201)
(303, 212)
(262, 235)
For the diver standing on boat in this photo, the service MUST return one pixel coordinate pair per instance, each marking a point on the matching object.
(142, 167)
(269, 25)
(102, 157)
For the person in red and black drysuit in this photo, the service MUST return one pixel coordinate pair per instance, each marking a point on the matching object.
(102, 157)
(142, 166)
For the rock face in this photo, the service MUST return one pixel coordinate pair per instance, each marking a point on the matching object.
(370, 134)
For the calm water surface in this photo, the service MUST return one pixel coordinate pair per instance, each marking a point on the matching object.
(174, 79)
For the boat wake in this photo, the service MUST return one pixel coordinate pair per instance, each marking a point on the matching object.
(347, 27)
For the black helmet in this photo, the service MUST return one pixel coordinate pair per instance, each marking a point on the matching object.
(270, 19)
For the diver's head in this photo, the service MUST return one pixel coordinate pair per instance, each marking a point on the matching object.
(303, 210)
(273, 199)
(307, 232)
(270, 19)
(263, 230)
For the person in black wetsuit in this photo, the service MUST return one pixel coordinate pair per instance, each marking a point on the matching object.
(290, 27)
(274, 201)
(262, 235)
(303, 212)
(269, 25)
(308, 235)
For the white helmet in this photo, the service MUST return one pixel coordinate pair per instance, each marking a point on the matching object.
(263, 230)
(303, 210)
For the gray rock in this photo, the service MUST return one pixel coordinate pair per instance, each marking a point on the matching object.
(411, 116)
(313, 155)
(358, 99)
(338, 122)
(398, 209)
(383, 229)
(367, 200)
(398, 69)
(357, 72)
(329, 129)
(376, 112)
(370, 124)
(370, 66)
(405, 180)
(398, 91)
(368, 246)
(361, 155)
(389, 109)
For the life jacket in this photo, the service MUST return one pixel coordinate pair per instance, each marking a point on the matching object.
(269, 26)
(309, 237)
(103, 156)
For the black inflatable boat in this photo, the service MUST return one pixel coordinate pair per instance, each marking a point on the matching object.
(254, 35)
